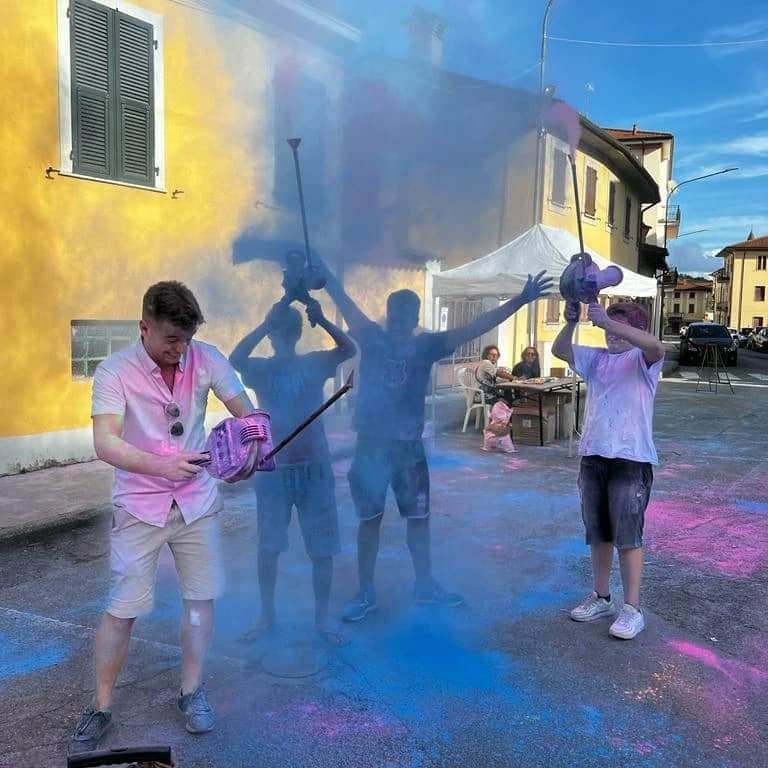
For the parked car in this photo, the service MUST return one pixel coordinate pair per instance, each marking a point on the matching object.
(758, 340)
(739, 337)
(699, 335)
(745, 334)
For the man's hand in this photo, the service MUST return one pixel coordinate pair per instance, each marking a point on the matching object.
(177, 467)
(314, 312)
(273, 320)
(572, 311)
(598, 315)
(536, 287)
(321, 267)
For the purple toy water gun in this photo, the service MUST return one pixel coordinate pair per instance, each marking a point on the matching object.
(238, 447)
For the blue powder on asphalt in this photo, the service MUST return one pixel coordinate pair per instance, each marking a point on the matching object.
(28, 655)
(420, 672)
(760, 507)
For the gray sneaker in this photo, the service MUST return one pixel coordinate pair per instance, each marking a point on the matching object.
(593, 607)
(434, 594)
(91, 727)
(197, 711)
(360, 606)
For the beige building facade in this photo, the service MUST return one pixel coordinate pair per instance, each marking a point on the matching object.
(745, 271)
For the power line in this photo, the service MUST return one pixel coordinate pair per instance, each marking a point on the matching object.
(616, 44)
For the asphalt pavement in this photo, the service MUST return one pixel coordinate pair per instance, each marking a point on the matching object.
(507, 680)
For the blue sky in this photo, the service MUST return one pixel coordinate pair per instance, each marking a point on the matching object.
(715, 100)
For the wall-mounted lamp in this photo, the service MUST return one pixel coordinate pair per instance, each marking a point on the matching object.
(49, 170)
(175, 194)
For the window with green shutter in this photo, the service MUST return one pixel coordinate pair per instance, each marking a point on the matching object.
(112, 94)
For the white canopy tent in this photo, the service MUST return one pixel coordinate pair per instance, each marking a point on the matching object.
(504, 272)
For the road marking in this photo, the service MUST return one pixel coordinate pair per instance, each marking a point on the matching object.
(689, 375)
(745, 384)
(759, 376)
(12, 613)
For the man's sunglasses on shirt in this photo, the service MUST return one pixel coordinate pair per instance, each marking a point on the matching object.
(172, 411)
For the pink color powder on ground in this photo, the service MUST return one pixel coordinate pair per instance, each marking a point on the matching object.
(715, 537)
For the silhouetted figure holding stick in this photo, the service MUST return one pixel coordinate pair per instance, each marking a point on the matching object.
(395, 365)
(290, 387)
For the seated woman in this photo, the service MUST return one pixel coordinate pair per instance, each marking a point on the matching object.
(528, 367)
(488, 372)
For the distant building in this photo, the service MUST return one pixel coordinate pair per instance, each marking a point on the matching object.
(654, 150)
(745, 273)
(688, 301)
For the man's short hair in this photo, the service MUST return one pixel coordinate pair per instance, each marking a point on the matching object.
(287, 322)
(403, 301)
(635, 314)
(172, 301)
(487, 351)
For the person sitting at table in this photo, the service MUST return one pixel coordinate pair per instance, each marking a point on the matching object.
(488, 372)
(528, 367)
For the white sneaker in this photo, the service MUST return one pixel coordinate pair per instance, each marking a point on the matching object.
(630, 622)
(593, 607)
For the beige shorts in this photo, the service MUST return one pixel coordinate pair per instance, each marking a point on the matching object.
(135, 550)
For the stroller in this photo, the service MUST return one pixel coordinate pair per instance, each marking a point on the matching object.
(133, 757)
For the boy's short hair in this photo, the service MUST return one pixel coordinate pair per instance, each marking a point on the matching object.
(172, 301)
(635, 314)
(403, 301)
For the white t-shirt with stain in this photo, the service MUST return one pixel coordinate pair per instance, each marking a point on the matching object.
(621, 388)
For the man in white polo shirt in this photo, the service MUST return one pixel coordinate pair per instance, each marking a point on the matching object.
(149, 403)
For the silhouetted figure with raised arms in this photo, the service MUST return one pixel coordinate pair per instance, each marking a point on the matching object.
(290, 387)
(395, 366)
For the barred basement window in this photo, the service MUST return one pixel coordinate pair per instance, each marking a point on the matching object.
(94, 340)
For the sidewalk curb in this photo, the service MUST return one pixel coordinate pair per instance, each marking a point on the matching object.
(65, 521)
(80, 515)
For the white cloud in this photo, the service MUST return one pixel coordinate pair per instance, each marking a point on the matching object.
(742, 31)
(691, 258)
(732, 224)
(744, 172)
(762, 115)
(717, 105)
(748, 145)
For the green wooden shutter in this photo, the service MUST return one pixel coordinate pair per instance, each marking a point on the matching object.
(135, 101)
(92, 41)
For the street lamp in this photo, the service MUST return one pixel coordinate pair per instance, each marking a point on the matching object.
(540, 133)
(666, 225)
(683, 183)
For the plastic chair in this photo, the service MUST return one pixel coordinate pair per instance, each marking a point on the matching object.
(474, 397)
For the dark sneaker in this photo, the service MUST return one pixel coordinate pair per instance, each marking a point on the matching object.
(434, 594)
(93, 724)
(197, 711)
(360, 606)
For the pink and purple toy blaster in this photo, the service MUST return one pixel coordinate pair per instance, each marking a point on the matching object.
(238, 447)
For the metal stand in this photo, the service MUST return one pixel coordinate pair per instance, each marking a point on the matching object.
(712, 370)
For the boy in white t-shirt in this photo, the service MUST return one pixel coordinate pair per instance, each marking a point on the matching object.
(617, 450)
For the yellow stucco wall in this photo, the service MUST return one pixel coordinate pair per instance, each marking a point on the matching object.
(745, 277)
(607, 240)
(76, 249)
